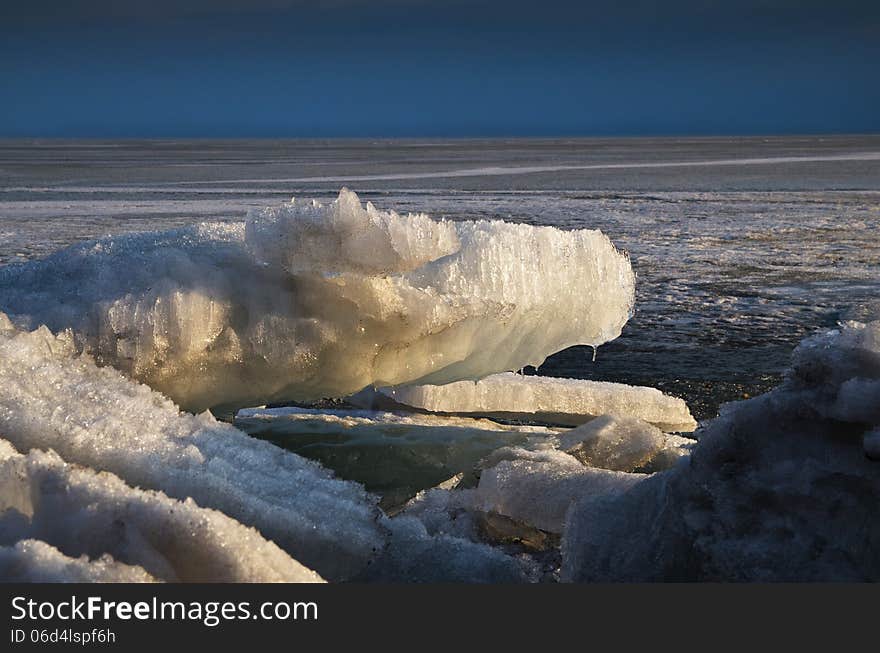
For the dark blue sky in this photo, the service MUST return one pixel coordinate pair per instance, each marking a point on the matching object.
(425, 68)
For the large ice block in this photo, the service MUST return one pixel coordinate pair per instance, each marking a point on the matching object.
(305, 301)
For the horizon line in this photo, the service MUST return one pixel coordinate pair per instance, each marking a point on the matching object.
(385, 137)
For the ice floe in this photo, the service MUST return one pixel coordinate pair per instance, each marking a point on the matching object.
(223, 495)
(392, 454)
(307, 301)
(562, 401)
(368, 424)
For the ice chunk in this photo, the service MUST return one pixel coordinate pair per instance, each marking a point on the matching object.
(778, 489)
(540, 454)
(539, 492)
(827, 361)
(561, 401)
(634, 536)
(53, 398)
(624, 444)
(499, 529)
(84, 513)
(379, 425)
(308, 301)
(34, 561)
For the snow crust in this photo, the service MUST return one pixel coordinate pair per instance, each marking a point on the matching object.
(53, 398)
(126, 533)
(34, 561)
(781, 487)
(213, 497)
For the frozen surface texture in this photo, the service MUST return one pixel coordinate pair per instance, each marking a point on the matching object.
(34, 561)
(95, 417)
(307, 301)
(779, 488)
(623, 444)
(378, 425)
(86, 513)
(534, 487)
(100, 422)
(539, 488)
(564, 401)
(414, 555)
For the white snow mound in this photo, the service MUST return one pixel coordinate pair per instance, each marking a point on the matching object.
(782, 487)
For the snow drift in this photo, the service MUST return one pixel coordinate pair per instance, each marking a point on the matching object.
(307, 301)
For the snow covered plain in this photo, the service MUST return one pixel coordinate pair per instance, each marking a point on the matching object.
(781, 487)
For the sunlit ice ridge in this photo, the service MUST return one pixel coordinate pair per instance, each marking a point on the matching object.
(303, 301)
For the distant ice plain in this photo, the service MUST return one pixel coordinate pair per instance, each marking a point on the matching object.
(741, 246)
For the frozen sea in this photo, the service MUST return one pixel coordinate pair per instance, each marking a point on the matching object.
(741, 246)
